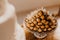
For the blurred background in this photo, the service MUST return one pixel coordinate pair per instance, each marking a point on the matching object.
(24, 7)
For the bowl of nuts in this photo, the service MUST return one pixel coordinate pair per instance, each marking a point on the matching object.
(40, 22)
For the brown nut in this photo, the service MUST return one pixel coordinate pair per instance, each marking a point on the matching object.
(50, 23)
(49, 17)
(35, 22)
(53, 26)
(29, 21)
(54, 21)
(39, 30)
(28, 25)
(42, 26)
(46, 26)
(38, 20)
(22, 25)
(42, 17)
(46, 22)
(45, 30)
(32, 24)
(35, 28)
(49, 29)
(39, 23)
(55, 15)
(40, 13)
(31, 28)
(37, 16)
(43, 21)
(26, 20)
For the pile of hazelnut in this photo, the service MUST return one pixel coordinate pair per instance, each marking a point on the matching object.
(41, 22)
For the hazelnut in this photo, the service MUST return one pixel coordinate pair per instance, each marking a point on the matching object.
(37, 26)
(38, 20)
(45, 30)
(39, 23)
(43, 21)
(46, 26)
(50, 23)
(49, 29)
(54, 15)
(37, 16)
(28, 25)
(26, 20)
(53, 26)
(49, 17)
(46, 22)
(32, 24)
(42, 17)
(29, 21)
(53, 21)
(35, 22)
(42, 26)
(22, 25)
(31, 28)
(39, 30)
(35, 29)
(40, 13)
